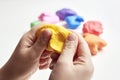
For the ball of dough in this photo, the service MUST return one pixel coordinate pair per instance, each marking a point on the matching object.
(59, 35)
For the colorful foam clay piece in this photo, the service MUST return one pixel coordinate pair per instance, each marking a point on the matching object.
(49, 17)
(59, 35)
(73, 21)
(63, 13)
(95, 43)
(93, 27)
(35, 23)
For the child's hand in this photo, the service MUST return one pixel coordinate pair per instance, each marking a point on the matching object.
(69, 67)
(28, 56)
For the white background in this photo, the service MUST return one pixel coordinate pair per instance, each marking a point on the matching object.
(16, 15)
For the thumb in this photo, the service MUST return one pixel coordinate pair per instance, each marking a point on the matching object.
(41, 43)
(69, 49)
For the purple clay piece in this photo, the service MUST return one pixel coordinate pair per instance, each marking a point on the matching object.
(63, 13)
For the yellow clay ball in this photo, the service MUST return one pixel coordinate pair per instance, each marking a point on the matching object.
(59, 35)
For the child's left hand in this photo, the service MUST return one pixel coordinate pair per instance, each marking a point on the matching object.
(28, 56)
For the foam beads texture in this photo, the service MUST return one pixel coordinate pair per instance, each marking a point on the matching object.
(95, 43)
(63, 13)
(93, 27)
(49, 18)
(73, 21)
(35, 23)
(59, 35)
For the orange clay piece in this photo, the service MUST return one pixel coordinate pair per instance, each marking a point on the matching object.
(59, 35)
(95, 43)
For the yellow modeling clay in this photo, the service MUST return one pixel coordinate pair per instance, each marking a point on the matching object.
(59, 35)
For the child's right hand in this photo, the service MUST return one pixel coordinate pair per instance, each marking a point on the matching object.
(70, 67)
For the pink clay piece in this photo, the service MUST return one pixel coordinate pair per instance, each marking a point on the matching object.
(93, 27)
(49, 18)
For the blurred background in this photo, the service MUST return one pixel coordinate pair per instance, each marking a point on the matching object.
(16, 16)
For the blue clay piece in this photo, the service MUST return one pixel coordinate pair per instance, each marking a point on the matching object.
(63, 13)
(73, 22)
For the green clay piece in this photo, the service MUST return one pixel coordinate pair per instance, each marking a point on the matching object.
(34, 23)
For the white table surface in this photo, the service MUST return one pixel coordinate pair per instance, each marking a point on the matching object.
(16, 15)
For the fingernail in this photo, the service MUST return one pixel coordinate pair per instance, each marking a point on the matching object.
(71, 37)
(46, 34)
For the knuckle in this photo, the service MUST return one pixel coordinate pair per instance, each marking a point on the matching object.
(70, 44)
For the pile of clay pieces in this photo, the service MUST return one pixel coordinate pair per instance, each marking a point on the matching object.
(91, 30)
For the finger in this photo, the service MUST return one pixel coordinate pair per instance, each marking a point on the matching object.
(43, 61)
(29, 38)
(54, 58)
(69, 49)
(83, 47)
(83, 52)
(46, 54)
(34, 29)
(45, 64)
(52, 65)
(42, 42)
